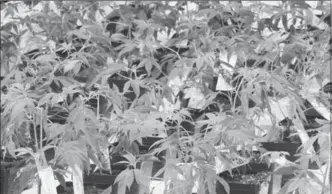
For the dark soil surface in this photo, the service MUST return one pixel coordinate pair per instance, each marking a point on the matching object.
(87, 190)
(258, 178)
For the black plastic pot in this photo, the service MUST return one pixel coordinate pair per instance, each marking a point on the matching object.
(5, 172)
(100, 180)
(237, 188)
(257, 167)
(286, 147)
(157, 165)
(104, 181)
(147, 142)
(115, 158)
(252, 168)
(7, 176)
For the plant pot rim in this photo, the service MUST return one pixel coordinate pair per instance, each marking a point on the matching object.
(280, 143)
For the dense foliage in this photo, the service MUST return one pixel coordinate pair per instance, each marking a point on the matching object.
(74, 76)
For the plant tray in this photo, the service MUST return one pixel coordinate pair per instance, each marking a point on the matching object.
(104, 181)
(156, 167)
(94, 179)
(115, 158)
(238, 188)
(4, 180)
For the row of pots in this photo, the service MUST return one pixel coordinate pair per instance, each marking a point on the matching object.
(235, 188)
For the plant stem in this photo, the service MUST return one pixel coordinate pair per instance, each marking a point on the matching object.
(270, 190)
(78, 180)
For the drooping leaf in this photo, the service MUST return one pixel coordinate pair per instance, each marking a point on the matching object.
(284, 21)
(135, 85)
(142, 179)
(17, 110)
(131, 158)
(124, 180)
(11, 148)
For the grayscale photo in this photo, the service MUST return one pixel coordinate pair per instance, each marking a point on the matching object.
(165, 97)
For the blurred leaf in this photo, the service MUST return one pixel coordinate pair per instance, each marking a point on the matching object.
(45, 99)
(131, 158)
(142, 179)
(308, 16)
(108, 190)
(70, 65)
(92, 156)
(17, 110)
(284, 21)
(126, 48)
(124, 180)
(11, 148)
(74, 153)
(135, 85)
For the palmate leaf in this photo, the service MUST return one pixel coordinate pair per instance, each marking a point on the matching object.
(74, 153)
(53, 130)
(92, 156)
(126, 48)
(131, 158)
